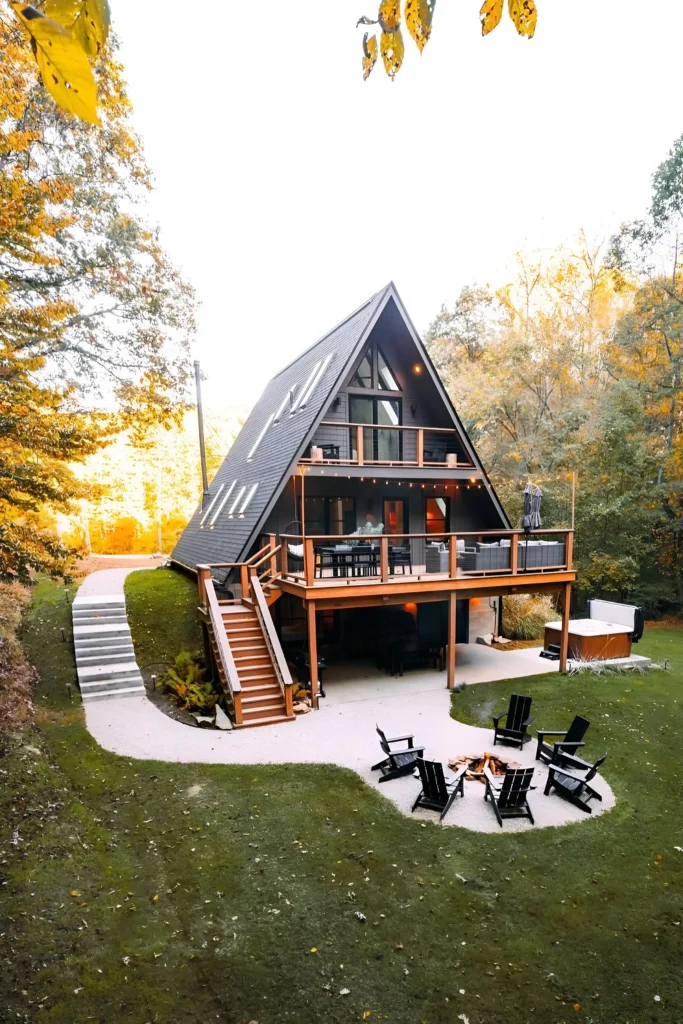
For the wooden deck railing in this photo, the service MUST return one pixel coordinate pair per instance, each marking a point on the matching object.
(248, 570)
(356, 444)
(227, 669)
(384, 562)
(272, 642)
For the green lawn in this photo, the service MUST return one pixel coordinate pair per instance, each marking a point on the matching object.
(151, 892)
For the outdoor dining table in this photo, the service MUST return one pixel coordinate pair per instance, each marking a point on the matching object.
(349, 560)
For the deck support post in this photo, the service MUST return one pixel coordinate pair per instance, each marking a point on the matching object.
(452, 556)
(564, 636)
(450, 651)
(312, 652)
(384, 559)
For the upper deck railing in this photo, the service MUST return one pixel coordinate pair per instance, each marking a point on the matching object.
(353, 559)
(361, 444)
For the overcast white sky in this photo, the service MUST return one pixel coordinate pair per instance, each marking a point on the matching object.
(289, 190)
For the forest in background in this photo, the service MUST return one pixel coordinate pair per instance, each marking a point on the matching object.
(575, 367)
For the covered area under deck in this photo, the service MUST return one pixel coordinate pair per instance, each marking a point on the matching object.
(351, 605)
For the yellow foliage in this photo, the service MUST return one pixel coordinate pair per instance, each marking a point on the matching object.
(389, 15)
(369, 54)
(64, 67)
(419, 14)
(524, 16)
(392, 50)
(88, 20)
(490, 14)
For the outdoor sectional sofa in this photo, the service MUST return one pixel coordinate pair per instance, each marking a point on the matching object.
(532, 554)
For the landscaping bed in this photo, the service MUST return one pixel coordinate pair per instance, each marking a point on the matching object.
(147, 891)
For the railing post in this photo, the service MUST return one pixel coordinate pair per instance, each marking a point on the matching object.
(244, 580)
(309, 562)
(569, 549)
(452, 556)
(284, 565)
(514, 552)
(384, 559)
(360, 455)
(420, 447)
(564, 635)
(272, 544)
(237, 703)
(203, 574)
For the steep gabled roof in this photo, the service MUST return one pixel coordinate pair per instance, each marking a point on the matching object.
(229, 539)
(277, 431)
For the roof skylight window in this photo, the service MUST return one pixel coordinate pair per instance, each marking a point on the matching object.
(211, 504)
(304, 389)
(287, 400)
(236, 501)
(258, 440)
(247, 500)
(218, 511)
(314, 383)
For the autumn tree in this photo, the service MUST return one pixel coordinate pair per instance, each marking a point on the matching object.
(94, 319)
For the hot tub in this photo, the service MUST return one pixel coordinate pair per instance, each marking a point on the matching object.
(592, 639)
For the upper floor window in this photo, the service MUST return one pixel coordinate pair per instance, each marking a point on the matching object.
(362, 378)
(385, 378)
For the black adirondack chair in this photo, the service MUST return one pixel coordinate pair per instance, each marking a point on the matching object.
(509, 795)
(437, 792)
(571, 781)
(571, 740)
(397, 762)
(517, 720)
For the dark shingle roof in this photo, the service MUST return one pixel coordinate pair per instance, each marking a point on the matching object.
(230, 538)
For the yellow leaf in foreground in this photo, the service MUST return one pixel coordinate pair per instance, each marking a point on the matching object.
(490, 14)
(369, 54)
(64, 67)
(524, 16)
(89, 20)
(390, 15)
(392, 50)
(419, 14)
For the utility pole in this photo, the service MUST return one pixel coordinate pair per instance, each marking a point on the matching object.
(200, 424)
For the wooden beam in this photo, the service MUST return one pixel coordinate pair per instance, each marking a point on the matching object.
(272, 544)
(244, 581)
(384, 559)
(450, 652)
(452, 556)
(420, 447)
(514, 553)
(359, 446)
(569, 551)
(312, 651)
(309, 562)
(564, 638)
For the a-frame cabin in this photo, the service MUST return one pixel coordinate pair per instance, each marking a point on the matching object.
(352, 511)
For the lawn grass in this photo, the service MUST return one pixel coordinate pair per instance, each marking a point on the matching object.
(160, 637)
(144, 891)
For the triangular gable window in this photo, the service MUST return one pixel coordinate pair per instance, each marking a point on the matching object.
(385, 378)
(362, 378)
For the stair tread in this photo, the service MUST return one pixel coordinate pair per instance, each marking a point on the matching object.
(267, 720)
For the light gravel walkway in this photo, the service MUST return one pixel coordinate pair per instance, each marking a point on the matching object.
(342, 734)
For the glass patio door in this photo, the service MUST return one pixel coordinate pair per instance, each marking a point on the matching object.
(378, 445)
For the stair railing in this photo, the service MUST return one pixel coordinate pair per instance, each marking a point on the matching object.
(226, 662)
(272, 642)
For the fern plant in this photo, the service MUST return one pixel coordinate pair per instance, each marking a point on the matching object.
(187, 683)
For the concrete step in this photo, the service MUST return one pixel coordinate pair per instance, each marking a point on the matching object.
(101, 629)
(110, 643)
(90, 615)
(101, 671)
(121, 691)
(102, 658)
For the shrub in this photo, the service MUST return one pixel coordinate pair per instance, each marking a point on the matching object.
(187, 684)
(525, 615)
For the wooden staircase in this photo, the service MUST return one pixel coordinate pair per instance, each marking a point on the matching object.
(261, 697)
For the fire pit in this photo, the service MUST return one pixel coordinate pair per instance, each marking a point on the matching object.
(477, 762)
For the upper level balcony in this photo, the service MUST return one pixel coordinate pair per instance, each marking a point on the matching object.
(359, 444)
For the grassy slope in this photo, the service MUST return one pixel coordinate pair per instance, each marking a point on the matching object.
(316, 845)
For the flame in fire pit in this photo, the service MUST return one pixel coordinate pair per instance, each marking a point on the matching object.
(476, 764)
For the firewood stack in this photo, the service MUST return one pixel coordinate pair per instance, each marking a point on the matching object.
(476, 764)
